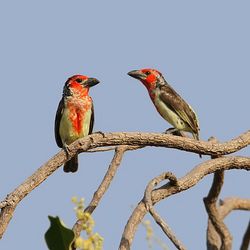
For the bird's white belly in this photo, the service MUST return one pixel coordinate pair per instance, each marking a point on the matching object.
(67, 132)
(169, 115)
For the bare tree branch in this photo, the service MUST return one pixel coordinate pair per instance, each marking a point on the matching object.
(218, 235)
(184, 183)
(148, 202)
(153, 183)
(233, 203)
(11, 201)
(217, 232)
(103, 187)
(213, 239)
(161, 140)
(224, 208)
(246, 239)
(214, 215)
(98, 140)
(115, 163)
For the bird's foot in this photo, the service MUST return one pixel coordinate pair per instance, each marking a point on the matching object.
(66, 149)
(174, 131)
(99, 132)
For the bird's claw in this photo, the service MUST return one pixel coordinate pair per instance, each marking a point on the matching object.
(66, 149)
(99, 132)
(174, 131)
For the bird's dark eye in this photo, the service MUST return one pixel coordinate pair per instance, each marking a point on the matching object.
(79, 80)
(147, 73)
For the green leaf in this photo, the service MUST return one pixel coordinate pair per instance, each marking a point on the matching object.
(58, 237)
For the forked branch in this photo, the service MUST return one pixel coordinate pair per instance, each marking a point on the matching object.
(134, 139)
(148, 202)
(113, 167)
(184, 183)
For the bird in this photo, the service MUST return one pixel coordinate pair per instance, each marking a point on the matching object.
(168, 102)
(75, 115)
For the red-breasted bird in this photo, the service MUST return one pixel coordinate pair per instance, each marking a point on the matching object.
(75, 115)
(168, 103)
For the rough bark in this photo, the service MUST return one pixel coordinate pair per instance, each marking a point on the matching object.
(122, 142)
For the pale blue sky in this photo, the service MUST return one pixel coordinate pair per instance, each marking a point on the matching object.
(202, 49)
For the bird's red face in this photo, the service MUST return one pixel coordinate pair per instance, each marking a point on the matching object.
(79, 84)
(148, 77)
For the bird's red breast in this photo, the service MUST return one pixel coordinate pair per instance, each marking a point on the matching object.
(78, 109)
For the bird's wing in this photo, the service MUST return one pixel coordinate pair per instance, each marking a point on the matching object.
(179, 106)
(92, 119)
(57, 123)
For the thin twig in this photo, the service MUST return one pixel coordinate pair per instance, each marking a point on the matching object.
(115, 163)
(166, 229)
(103, 187)
(148, 203)
(153, 183)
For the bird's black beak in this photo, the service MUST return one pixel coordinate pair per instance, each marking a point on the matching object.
(90, 82)
(137, 74)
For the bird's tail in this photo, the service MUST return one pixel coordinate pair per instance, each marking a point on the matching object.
(71, 165)
(196, 136)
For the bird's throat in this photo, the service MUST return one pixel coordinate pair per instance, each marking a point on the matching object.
(151, 89)
(77, 89)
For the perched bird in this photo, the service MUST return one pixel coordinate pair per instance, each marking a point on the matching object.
(167, 102)
(75, 115)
